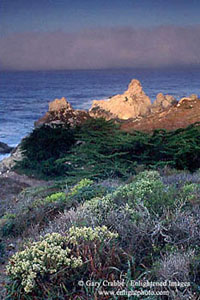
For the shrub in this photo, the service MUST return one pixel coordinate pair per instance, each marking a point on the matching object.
(176, 267)
(42, 258)
(146, 189)
(60, 196)
(9, 216)
(2, 250)
(7, 227)
(154, 226)
(46, 142)
(39, 213)
(41, 210)
(99, 207)
(42, 149)
(191, 193)
(184, 227)
(56, 262)
(80, 185)
(56, 197)
(87, 193)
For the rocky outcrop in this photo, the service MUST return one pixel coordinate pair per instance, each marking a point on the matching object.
(8, 163)
(133, 110)
(59, 104)
(61, 113)
(185, 113)
(192, 97)
(162, 102)
(4, 148)
(133, 103)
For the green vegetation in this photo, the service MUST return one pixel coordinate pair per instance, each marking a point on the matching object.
(43, 147)
(122, 206)
(41, 206)
(145, 229)
(57, 262)
(98, 149)
(80, 186)
(2, 250)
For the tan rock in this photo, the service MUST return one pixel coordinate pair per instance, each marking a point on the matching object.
(162, 102)
(159, 99)
(170, 99)
(61, 113)
(165, 104)
(59, 104)
(131, 104)
(192, 97)
(172, 118)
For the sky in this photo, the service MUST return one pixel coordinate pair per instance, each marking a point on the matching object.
(88, 34)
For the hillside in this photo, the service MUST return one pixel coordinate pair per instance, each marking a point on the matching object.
(104, 209)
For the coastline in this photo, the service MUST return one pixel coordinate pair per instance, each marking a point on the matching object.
(20, 108)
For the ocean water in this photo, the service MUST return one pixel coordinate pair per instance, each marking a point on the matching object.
(24, 96)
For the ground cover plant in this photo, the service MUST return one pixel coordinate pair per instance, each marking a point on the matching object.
(39, 206)
(153, 225)
(99, 149)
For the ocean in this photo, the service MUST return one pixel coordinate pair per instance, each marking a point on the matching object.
(24, 95)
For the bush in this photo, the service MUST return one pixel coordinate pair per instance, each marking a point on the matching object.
(60, 196)
(146, 189)
(80, 185)
(191, 193)
(7, 227)
(56, 197)
(42, 149)
(149, 188)
(85, 190)
(56, 263)
(46, 142)
(2, 250)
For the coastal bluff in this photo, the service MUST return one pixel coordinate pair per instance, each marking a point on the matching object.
(133, 110)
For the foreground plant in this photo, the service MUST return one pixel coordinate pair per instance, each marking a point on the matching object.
(56, 262)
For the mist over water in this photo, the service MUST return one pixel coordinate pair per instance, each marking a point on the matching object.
(24, 96)
(97, 48)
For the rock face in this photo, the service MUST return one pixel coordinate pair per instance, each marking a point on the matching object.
(61, 112)
(162, 102)
(131, 104)
(185, 113)
(192, 97)
(4, 148)
(133, 110)
(59, 104)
